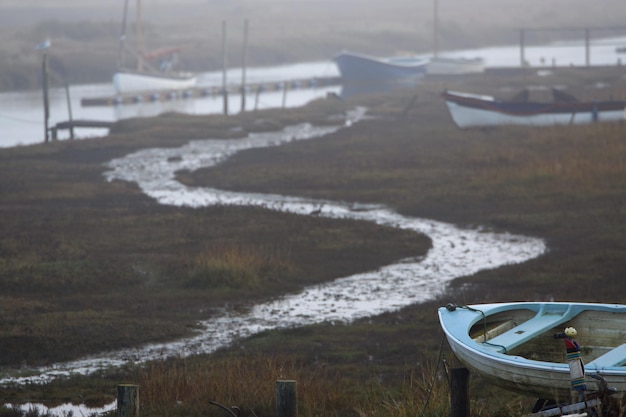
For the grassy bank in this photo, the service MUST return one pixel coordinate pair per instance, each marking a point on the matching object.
(88, 265)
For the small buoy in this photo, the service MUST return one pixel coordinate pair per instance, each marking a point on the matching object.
(570, 332)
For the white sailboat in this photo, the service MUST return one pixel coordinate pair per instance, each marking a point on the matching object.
(145, 77)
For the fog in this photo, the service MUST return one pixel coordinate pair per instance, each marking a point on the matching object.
(478, 14)
(283, 31)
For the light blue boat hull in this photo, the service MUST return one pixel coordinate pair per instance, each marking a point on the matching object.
(359, 68)
(512, 345)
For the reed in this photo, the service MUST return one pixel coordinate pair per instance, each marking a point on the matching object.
(241, 266)
(248, 381)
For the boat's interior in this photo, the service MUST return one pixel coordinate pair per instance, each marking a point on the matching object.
(530, 335)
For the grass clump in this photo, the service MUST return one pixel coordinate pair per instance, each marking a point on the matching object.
(237, 267)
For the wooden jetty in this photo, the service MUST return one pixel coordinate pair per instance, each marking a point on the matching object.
(211, 91)
(72, 124)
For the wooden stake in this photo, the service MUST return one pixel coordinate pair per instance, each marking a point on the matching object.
(243, 66)
(46, 100)
(69, 110)
(459, 392)
(127, 400)
(224, 67)
(286, 399)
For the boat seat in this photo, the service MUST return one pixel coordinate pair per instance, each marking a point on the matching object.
(543, 321)
(615, 357)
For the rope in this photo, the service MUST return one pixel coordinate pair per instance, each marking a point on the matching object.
(484, 319)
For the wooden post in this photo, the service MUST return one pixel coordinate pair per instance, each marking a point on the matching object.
(459, 392)
(522, 58)
(127, 400)
(46, 100)
(285, 88)
(69, 110)
(243, 66)
(224, 67)
(256, 99)
(286, 399)
(587, 48)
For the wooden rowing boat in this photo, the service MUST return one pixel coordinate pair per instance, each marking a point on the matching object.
(472, 110)
(513, 345)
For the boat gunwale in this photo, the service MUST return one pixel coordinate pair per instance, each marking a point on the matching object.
(525, 109)
(471, 346)
(399, 64)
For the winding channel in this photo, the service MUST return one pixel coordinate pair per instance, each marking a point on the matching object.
(455, 252)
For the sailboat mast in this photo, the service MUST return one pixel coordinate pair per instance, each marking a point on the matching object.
(139, 40)
(121, 54)
(435, 29)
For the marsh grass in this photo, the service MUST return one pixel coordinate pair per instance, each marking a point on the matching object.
(88, 266)
(248, 381)
(238, 267)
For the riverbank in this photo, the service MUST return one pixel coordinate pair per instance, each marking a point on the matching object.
(103, 265)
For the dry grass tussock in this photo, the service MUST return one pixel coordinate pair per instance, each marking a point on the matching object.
(248, 381)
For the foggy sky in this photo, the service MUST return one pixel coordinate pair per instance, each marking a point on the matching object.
(517, 13)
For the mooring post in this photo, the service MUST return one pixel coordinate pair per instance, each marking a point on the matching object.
(127, 400)
(459, 392)
(243, 66)
(587, 47)
(256, 98)
(224, 68)
(522, 57)
(286, 399)
(69, 110)
(286, 87)
(46, 100)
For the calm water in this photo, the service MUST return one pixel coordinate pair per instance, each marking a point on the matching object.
(21, 113)
(22, 117)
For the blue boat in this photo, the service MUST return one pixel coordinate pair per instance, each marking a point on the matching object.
(359, 68)
(515, 345)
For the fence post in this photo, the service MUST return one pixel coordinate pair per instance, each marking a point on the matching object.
(127, 400)
(46, 99)
(285, 93)
(286, 399)
(459, 392)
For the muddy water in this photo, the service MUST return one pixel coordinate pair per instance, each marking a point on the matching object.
(455, 252)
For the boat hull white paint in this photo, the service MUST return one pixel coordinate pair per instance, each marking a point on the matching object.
(472, 110)
(465, 117)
